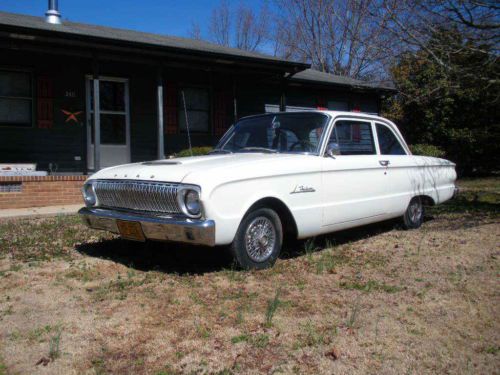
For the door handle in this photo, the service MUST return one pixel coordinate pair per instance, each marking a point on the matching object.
(384, 163)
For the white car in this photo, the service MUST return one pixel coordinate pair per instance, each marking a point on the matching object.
(298, 174)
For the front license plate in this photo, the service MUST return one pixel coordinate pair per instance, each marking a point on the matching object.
(131, 230)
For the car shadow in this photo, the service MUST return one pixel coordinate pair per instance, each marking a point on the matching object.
(159, 256)
(297, 248)
(185, 259)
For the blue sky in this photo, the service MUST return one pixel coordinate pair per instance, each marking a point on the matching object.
(156, 16)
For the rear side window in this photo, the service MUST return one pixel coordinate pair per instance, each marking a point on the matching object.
(388, 142)
(353, 138)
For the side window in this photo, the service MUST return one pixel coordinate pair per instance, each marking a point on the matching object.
(353, 137)
(388, 142)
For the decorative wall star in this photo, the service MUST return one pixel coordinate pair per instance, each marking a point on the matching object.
(72, 116)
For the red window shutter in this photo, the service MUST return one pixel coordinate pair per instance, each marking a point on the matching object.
(220, 113)
(356, 133)
(45, 102)
(170, 109)
(321, 103)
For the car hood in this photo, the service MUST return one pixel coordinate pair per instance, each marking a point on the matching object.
(200, 168)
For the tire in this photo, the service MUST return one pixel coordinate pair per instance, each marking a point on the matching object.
(252, 249)
(414, 215)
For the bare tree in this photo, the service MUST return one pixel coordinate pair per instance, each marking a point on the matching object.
(239, 27)
(357, 38)
(335, 36)
(195, 31)
(412, 23)
(474, 14)
(251, 29)
(220, 24)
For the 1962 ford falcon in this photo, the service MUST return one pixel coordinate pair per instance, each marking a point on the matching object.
(299, 174)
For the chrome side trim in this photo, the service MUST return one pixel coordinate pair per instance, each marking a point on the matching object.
(162, 228)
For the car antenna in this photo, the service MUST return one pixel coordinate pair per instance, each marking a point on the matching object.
(187, 123)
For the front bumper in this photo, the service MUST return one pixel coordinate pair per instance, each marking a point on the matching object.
(162, 228)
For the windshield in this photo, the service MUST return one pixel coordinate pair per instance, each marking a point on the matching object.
(284, 132)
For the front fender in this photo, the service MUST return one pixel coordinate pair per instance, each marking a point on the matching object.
(228, 203)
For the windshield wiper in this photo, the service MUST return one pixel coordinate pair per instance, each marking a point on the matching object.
(259, 149)
(219, 151)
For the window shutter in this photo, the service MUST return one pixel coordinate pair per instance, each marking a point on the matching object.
(170, 108)
(321, 103)
(356, 133)
(45, 102)
(220, 113)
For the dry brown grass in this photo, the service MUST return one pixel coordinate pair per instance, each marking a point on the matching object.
(372, 300)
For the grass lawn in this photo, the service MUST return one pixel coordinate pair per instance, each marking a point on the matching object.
(377, 300)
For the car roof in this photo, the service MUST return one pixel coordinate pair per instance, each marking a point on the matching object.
(327, 112)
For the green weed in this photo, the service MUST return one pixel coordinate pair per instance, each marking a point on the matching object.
(272, 306)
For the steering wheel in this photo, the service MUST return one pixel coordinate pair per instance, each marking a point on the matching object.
(305, 145)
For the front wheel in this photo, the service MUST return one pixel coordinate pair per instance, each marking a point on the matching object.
(414, 215)
(258, 241)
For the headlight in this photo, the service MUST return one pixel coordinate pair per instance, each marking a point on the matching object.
(192, 201)
(89, 196)
(189, 201)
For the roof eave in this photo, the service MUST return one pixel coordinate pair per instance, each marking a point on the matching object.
(346, 85)
(289, 66)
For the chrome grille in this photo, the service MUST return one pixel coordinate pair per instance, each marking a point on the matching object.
(157, 197)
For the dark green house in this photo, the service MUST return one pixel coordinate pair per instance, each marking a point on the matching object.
(51, 71)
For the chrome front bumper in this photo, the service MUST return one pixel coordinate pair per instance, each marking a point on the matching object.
(162, 228)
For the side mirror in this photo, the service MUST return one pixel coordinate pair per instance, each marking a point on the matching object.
(333, 150)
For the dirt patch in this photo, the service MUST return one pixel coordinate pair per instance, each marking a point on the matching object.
(373, 300)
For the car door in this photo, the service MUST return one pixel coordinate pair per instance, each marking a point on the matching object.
(354, 183)
(402, 180)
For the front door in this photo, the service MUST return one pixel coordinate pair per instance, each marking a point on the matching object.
(354, 183)
(114, 121)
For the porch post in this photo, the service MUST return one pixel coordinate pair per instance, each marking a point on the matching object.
(283, 96)
(97, 119)
(159, 95)
(235, 102)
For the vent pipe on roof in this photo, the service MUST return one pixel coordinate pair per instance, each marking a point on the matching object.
(52, 15)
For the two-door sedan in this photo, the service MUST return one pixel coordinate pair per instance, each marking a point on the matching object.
(297, 174)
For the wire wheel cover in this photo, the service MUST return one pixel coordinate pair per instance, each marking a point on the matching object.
(260, 239)
(415, 211)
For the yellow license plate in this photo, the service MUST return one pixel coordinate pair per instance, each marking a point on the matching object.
(131, 230)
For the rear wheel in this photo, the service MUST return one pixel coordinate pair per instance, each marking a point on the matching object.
(258, 241)
(414, 215)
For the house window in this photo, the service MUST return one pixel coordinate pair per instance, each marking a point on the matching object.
(197, 108)
(338, 105)
(16, 98)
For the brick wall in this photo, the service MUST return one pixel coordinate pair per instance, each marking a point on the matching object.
(37, 191)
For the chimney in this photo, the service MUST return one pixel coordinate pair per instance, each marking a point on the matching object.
(52, 15)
